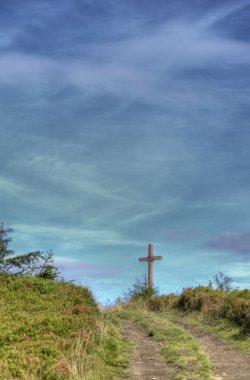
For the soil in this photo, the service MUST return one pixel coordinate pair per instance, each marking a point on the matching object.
(146, 360)
(148, 364)
(228, 363)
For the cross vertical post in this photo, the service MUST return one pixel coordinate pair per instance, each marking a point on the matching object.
(150, 266)
(150, 258)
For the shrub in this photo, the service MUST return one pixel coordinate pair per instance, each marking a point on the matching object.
(212, 303)
(163, 302)
(139, 291)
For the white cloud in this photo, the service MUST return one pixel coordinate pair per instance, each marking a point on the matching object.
(140, 67)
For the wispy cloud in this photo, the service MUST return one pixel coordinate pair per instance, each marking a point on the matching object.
(236, 242)
(224, 10)
(122, 124)
(135, 67)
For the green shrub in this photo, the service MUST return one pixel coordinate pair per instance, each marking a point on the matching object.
(139, 291)
(163, 302)
(212, 303)
(234, 306)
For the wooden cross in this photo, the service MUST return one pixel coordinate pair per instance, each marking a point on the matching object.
(150, 258)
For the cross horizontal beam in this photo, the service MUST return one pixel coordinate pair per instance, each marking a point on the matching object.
(151, 258)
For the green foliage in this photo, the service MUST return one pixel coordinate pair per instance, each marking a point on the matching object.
(163, 302)
(234, 306)
(214, 304)
(140, 291)
(223, 282)
(222, 302)
(38, 327)
(5, 252)
(37, 263)
(55, 331)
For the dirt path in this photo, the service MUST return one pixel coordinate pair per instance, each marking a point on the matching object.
(229, 363)
(146, 360)
(148, 364)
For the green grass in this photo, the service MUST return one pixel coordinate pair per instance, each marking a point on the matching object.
(229, 332)
(181, 349)
(55, 331)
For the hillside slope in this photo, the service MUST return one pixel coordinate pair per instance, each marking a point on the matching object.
(55, 330)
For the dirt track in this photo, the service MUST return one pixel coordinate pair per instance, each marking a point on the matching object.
(148, 364)
(146, 361)
(229, 363)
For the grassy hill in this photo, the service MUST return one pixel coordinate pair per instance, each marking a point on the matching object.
(51, 330)
(55, 330)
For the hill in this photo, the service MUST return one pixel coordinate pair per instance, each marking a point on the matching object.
(55, 330)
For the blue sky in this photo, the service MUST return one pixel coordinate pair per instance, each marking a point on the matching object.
(124, 123)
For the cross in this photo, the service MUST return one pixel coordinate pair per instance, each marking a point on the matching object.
(150, 258)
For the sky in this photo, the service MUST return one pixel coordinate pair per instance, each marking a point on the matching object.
(125, 123)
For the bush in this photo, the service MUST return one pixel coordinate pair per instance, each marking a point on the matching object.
(164, 302)
(212, 303)
(139, 291)
(234, 306)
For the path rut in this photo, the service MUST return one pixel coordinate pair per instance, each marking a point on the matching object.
(228, 363)
(146, 360)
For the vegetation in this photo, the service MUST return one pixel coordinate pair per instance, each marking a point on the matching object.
(233, 306)
(215, 308)
(54, 331)
(139, 291)
(229, 332)
(50, 329)
(36, 263)
(222, 282)
(179, 347)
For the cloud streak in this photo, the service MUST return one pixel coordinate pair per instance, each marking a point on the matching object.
(123, 124)
(236, 242)
(135, 67)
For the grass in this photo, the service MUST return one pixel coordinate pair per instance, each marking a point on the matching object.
(55, 331)
(181, 349)
(229, 332)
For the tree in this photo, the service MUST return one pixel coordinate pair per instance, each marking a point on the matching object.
(223, 282)
(36, 263)
(4, 251)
